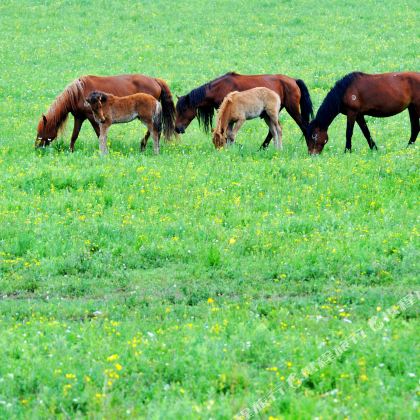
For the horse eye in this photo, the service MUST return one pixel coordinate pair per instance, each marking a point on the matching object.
(314, 136)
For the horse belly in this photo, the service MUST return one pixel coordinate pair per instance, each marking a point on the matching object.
(254, 111)
(384, 114)
(387, 109)
(252, 115)
(126, 118)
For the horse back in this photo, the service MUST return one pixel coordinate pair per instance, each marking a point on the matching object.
(282, 85)
(122, 85)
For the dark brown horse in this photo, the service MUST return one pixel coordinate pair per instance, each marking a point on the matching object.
(204, 100)
(359, 94)
(72, 100)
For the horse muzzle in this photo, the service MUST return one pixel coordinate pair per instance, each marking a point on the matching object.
(179, 130)
(40, 142)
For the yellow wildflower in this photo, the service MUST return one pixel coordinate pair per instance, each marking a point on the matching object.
(112, 358)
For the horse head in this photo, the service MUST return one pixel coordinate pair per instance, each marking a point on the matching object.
(219, 138)
(317, 138)
(97, 101)
(46, 132)
(185, 113)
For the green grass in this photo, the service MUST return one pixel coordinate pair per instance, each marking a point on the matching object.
(193, 283)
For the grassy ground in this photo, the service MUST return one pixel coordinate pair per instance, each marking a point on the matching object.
(194, 283)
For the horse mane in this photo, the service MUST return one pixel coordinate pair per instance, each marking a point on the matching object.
(331, 105)
(64, 103)
(220, 113)
(195, 97)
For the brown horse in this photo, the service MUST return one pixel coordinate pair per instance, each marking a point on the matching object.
(359, 94)
(204, 100)
(108, 109)
(72, 100)
(237, 107)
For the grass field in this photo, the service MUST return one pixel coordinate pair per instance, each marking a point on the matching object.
(194, 283)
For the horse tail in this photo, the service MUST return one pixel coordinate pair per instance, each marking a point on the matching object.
(306, 107)
(168, 109)
(157, 117)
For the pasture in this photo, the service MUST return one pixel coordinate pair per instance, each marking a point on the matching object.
(194, 283)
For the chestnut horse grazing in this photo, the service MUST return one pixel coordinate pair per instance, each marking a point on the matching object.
(108, 109)
(237, 107)
(204, 100)
(359, 94)
(72, 100)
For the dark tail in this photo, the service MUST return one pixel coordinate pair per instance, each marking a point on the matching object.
(168, 110)
(158, 118)
(306, 107)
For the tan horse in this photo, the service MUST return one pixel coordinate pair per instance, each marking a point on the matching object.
(108, 109)
(237, 107)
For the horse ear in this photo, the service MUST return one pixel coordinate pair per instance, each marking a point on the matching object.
(103, 98)
(212, 131)
(44, 118)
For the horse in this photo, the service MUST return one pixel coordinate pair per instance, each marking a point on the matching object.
(108, 109)
(204, 100)
(72, 100)
(358, 94)
(237, 107)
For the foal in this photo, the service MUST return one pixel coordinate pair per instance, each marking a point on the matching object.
(237, 107)
(109, 109)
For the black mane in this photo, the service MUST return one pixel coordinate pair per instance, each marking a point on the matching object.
(331, 105)
(194, 98)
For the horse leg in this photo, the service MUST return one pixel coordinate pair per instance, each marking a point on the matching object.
(95, 126)
(274, 116)
(365, 130)
(76, 130)
(229, 132)
(235, 130)
(155, 136)
(351, 119)
(279, 133)
(143, 142)
(414, 119)
(267, 140)
(270, 121)
(293, 111)
(102, 138)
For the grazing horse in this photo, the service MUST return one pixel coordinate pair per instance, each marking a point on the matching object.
(72, 100)
(204, 100)
(108, 109)
(237, 107)
(359, 94)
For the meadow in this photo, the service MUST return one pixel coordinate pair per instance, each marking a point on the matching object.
(194, 283)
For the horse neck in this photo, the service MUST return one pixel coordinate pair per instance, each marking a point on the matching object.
(56, 118)
(326, 115)
(223, 120)
(65, 103)
(114, 104)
